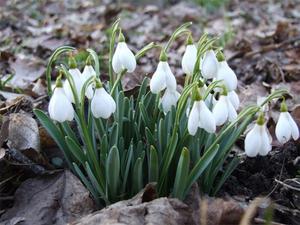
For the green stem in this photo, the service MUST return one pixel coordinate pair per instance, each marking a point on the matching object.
(120, 75)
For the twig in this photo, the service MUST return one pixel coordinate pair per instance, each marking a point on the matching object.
(262, 221)
(287, 185)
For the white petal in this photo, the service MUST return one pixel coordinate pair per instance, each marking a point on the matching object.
(193, 120)
(209, 65)
(102, 105)
(116, 60)
(78, 81)
(253, 141)
(220, 111)
(283, 130)
(234, 99)
(232, 115)
(89, 92)
(265, 146)
(88, 72)
(158, 80)
(226, 74)
(170, 78)
(60, 108)
(207, 120)
(169, 99)
(294, 127)
(189, 59)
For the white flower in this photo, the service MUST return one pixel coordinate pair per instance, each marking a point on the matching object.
(102, 105)
(234, 99)
(286, 128)
(224, 110)
(123, 58)
(209, 65)
(226, 74)
(169, 99)
(189, 59)
(257, 141)
(162, 78)
(78, 81)
(88, 72)
(60, 108)
(201, 117)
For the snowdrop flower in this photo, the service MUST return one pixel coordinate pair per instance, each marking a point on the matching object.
(234, 99)
(163, 76)
(87, 73)
(200, 116)
(78, 80)
(209, 65)
(189, 57)
(169, 99)
(60, 108)
(258, 141)
(102, 104)
(286, 127)
(224, 111)
(123, 57)
(226, 74)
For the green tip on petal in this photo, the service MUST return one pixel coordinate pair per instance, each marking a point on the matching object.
(58, 82)
(261, 119)
(196, 94)
(163, 56)
(72, 62)
(220, 56)
(98, 83)
(283, 106)
(88, 61)
(121, 37)
(225, 91)
(189, 40)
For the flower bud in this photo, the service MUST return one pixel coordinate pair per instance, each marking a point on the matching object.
(209, 65)
(189, 57)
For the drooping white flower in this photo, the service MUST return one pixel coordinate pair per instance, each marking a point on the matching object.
(189, 59)
(123, 57)
(224, 111)
(234, 99)
(169, 99)
(227, 75)
(60, 108)
(209, 65)
(102, 104)
(162, 78)
(78, 80)
(201, 117)
(258, 140)
(286, 127)
(87, 73)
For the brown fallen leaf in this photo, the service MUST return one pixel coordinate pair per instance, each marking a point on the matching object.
(56, 199)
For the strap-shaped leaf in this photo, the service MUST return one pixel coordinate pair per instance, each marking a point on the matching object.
(113, 171)
(55, 133)
(76, 150)
(181, 174)
(127, 168)
(153, 165)
(138, 175)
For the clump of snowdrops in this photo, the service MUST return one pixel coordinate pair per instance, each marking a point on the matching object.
(121, 142)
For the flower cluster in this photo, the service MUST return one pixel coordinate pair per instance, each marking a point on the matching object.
(174, 138)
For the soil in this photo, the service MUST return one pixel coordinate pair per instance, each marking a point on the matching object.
(257, 177)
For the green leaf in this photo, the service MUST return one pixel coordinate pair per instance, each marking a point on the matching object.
(113, 171)
(229, 169)
(137, 176)
(153, 165)
(127, 168)
(200, 166)
(55, 133)
(114, 135)
(77, 151)
(181, 174)
(97, 184)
